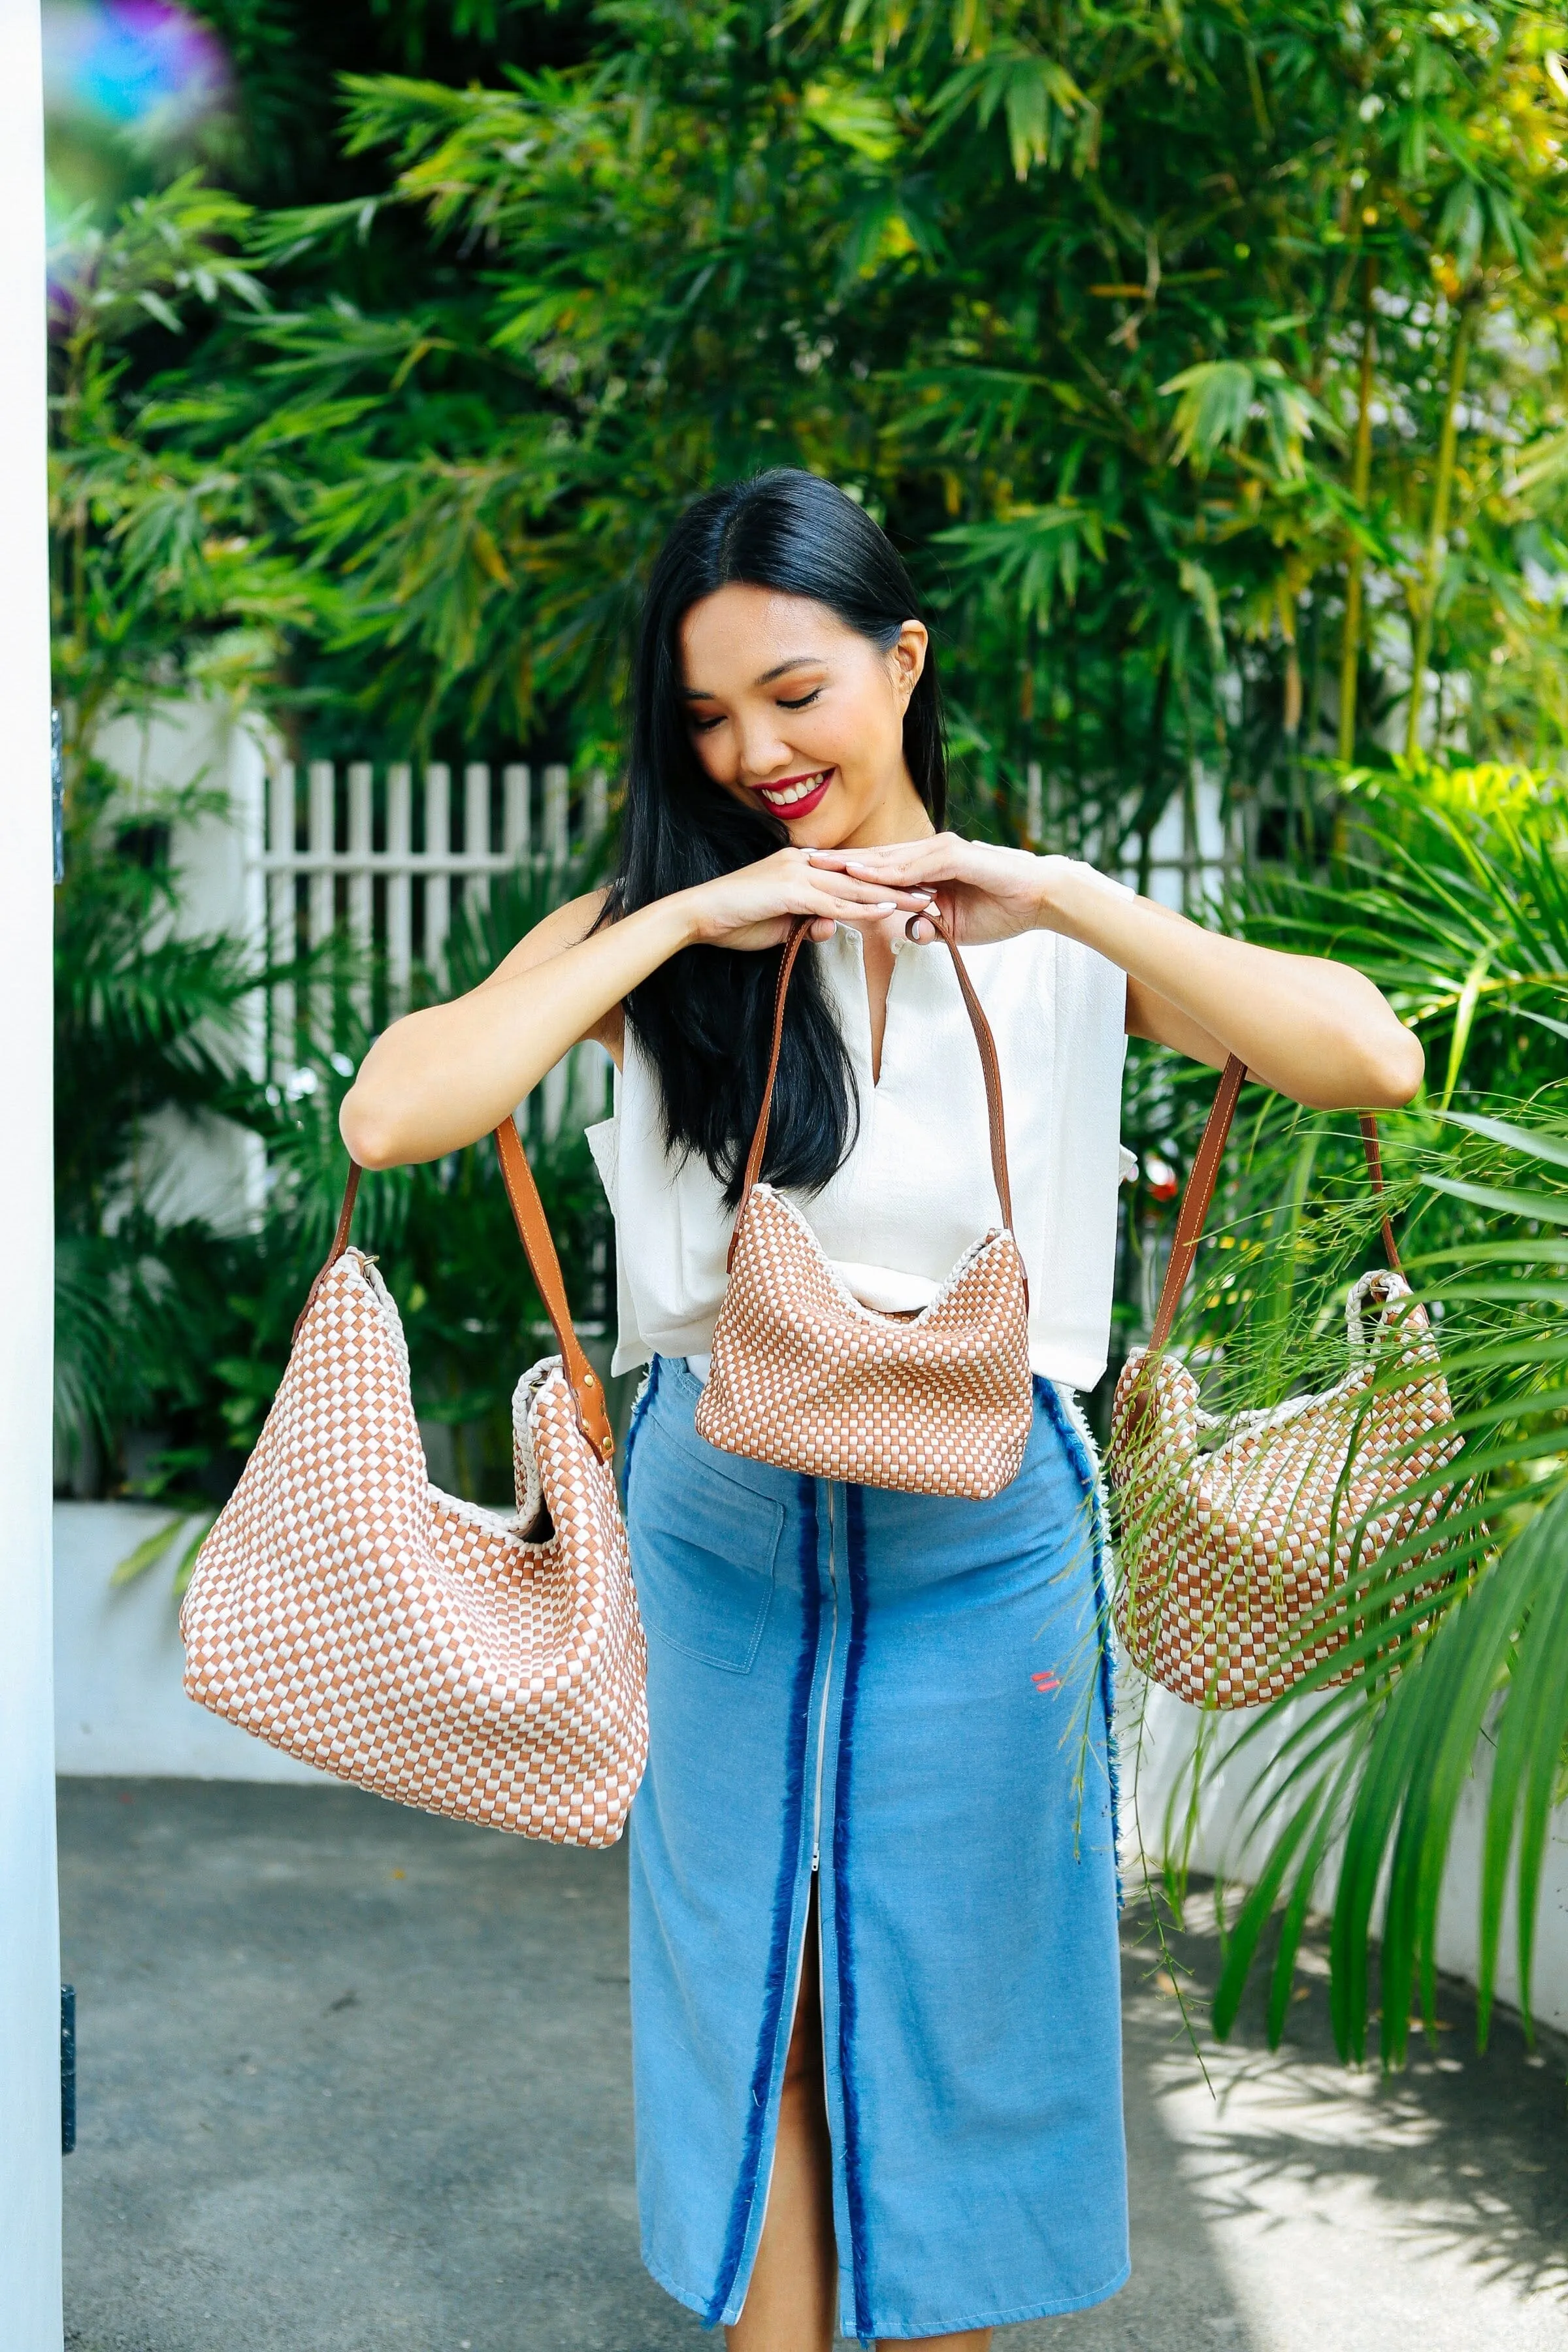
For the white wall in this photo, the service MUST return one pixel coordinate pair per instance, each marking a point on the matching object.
(30, 2319)
(120, 1700)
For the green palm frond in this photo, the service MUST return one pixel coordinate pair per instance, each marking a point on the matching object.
(1356, 1792)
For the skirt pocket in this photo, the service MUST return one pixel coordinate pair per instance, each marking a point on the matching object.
(703, 1547)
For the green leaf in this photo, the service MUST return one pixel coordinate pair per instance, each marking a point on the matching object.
(1214, 408)
(1546, 1208)
(156, 308)
(1464, 1015)
(1535, 1143)
(184, 1567)
(148, 1552)
(854, 115)
(1037, 96)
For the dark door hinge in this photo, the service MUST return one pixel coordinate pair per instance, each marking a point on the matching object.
(67, 2069)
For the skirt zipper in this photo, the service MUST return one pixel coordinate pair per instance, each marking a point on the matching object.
(827, 1688)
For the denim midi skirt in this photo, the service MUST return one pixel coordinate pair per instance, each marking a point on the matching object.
(909, 1697)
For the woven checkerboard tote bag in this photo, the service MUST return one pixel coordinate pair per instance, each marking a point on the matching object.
(469, 1662)
(1248, 1542)
(803, 1375)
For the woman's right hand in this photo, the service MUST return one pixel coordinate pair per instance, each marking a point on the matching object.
(757, 906)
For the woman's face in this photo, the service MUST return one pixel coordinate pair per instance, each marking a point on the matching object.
(794, 712)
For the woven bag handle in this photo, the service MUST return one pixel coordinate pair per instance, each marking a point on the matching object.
(982, 1038)
(539, 1247)
(1199, 1189)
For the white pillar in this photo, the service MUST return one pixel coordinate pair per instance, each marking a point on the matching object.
(30, 2318)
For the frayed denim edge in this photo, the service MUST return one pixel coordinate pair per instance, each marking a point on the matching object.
(843, 1919)
(1071, 1428)
(779, 1955)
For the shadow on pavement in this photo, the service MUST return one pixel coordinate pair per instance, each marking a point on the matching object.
(1345, 2207)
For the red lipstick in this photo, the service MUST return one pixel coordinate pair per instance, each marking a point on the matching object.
(792, 810)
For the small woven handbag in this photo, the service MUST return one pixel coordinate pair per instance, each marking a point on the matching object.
(1242, 1536)
(803, 1375)
(463, 1661)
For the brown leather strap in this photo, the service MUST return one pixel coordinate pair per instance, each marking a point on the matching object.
(533, 1232)
(760, 1132)
(982, 1038)
(990, 1067)
(339, 1244)
(1199, 1193)
(345, 1215)
(1195, 1201)
(1374, 1170)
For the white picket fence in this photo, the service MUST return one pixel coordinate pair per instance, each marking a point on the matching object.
(386, 863)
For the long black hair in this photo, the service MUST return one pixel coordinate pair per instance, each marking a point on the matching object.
(704, 1017)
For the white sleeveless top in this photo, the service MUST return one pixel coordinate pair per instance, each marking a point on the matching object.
(917, 1190)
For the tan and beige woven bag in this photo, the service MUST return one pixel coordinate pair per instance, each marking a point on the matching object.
(806, 1377)
(1243, 1537)
(469, 1662)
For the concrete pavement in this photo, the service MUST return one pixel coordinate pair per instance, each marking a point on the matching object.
(354, 2080)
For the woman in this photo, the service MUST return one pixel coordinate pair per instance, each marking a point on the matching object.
(873, 1873)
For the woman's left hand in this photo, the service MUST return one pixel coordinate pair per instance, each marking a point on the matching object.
(984, 892)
